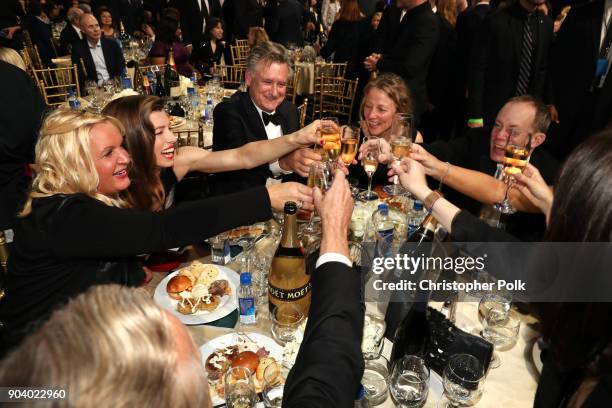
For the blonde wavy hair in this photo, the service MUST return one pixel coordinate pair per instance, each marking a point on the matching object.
(64, 163)
(12, 57)
(110, 347)
(394, 87)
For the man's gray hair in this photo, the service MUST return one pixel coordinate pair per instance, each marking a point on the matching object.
(85, 7)
(74, 15)
(268, 52)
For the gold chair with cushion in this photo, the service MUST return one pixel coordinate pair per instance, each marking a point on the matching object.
(55, 83)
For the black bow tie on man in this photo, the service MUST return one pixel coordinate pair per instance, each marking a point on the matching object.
(274, 118)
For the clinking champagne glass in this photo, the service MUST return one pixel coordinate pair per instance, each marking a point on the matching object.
(369, 161)
(320, 176)
(330, 135)
(350, 144)
(516, 157)
(401, 143)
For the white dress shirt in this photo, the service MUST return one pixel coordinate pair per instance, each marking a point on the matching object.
(99, 62)
(333, 257)
(207, 8)
(272, 132)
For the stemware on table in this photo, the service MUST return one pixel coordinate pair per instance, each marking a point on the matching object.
(369, 161)
(409, 382)
(401, 143)
(516, 156)
(464, 380)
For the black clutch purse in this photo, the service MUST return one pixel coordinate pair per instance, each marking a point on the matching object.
(446, 339)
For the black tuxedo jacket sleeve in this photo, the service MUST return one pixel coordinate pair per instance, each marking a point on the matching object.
(408, 47)
(236, 123)
(329, 365)
(496, 57)
(112, 56)
(68, 37)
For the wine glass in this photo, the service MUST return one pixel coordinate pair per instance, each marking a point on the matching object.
(463, 381)
(409, 383)
(239, 388)
(375, 380)
(502, 331)
(330, 136)
(492, 301)
(516, 157)
(286, 319)
(350, 144)
(401, 143)
(369, 161)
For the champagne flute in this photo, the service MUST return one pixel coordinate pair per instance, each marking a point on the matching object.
(369, 161)
(350, 144)
(330, 135)
(401, 143)
(318, 176)
(516, 157)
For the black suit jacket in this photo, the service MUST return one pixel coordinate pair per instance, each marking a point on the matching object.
(239, 16)
(467, 28)
(191, 19)
(407, 48)
(131, 13)
(285, 21)
(573, 59)
(40, 33)
(112, 56)
(68, 36)
(329, 365)
(494, 66)
(237, 123)
(343, 38)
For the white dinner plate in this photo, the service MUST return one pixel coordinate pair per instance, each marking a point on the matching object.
(228, 302)
(231, 339)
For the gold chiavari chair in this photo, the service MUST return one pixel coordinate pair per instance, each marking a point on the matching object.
(292, 86)
(336, 97)
(191, 137)
(240, 53)
(242, 43)
(3, 259)
(55, 83)
(231, 75)
(32, 50)
(302, 112)
(330, 70)
(28, 62)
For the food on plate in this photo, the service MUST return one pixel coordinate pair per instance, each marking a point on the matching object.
(178, 284)
(219, 361)
(246, 359)
(246, 231)
(197, 289)
(261, 369)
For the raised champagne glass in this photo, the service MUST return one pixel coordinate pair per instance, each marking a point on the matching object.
(516, 157)
(369, 161)
(330, 136)
(401, 143)
(350, 144)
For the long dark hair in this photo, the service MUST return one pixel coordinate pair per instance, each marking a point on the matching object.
(146, 191)
(580, 334)
(212, 23)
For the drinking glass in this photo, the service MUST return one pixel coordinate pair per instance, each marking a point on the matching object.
(516, 157)
(401, 143)
(286, 318)
(463, 381)
(374, 380)
(369, 161)
(239, 388)
(274, 382)
(409, 383)
(350, 144)
(219, 249)
(501, 331)
(498, 303)
(330, 135)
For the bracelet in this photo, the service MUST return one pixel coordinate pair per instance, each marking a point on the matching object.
(479, 121)
(448, 166)
(431, 199)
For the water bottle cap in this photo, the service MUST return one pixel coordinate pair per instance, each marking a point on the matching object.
(418, 205)
(245, 278)
(191, 91)
(383, 206)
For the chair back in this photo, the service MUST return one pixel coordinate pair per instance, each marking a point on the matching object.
(336, 97)
(55, 83)
(4, 253)
(32, 50)
(292, 86)
(240, 53)
(302, 112)
(231, 75)
(242, 43)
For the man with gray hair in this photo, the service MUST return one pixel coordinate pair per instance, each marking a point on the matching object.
(261, 113)
(72, 32)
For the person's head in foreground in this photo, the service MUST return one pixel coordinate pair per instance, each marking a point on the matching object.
(111, 347)
(383, 97)
(520, 117)
(267, 75)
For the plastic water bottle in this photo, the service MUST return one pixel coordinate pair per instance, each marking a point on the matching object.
(126, 81)
(208, 110)
(194, 103)
(246, 300)
(383, 230)
(152, 81)
(416, 216)
(73, 101)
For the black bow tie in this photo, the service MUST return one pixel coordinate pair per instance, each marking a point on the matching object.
(274, 118)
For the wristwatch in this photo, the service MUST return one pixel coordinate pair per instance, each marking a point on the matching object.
(431, 199)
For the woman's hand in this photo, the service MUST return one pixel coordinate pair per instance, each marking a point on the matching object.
(308, 135)
(533, 186)
(411, 176)
(384, 156)
(292, 191)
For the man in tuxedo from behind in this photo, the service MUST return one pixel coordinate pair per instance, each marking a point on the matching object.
(407, 39)
(72, 32)
(261, 113)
